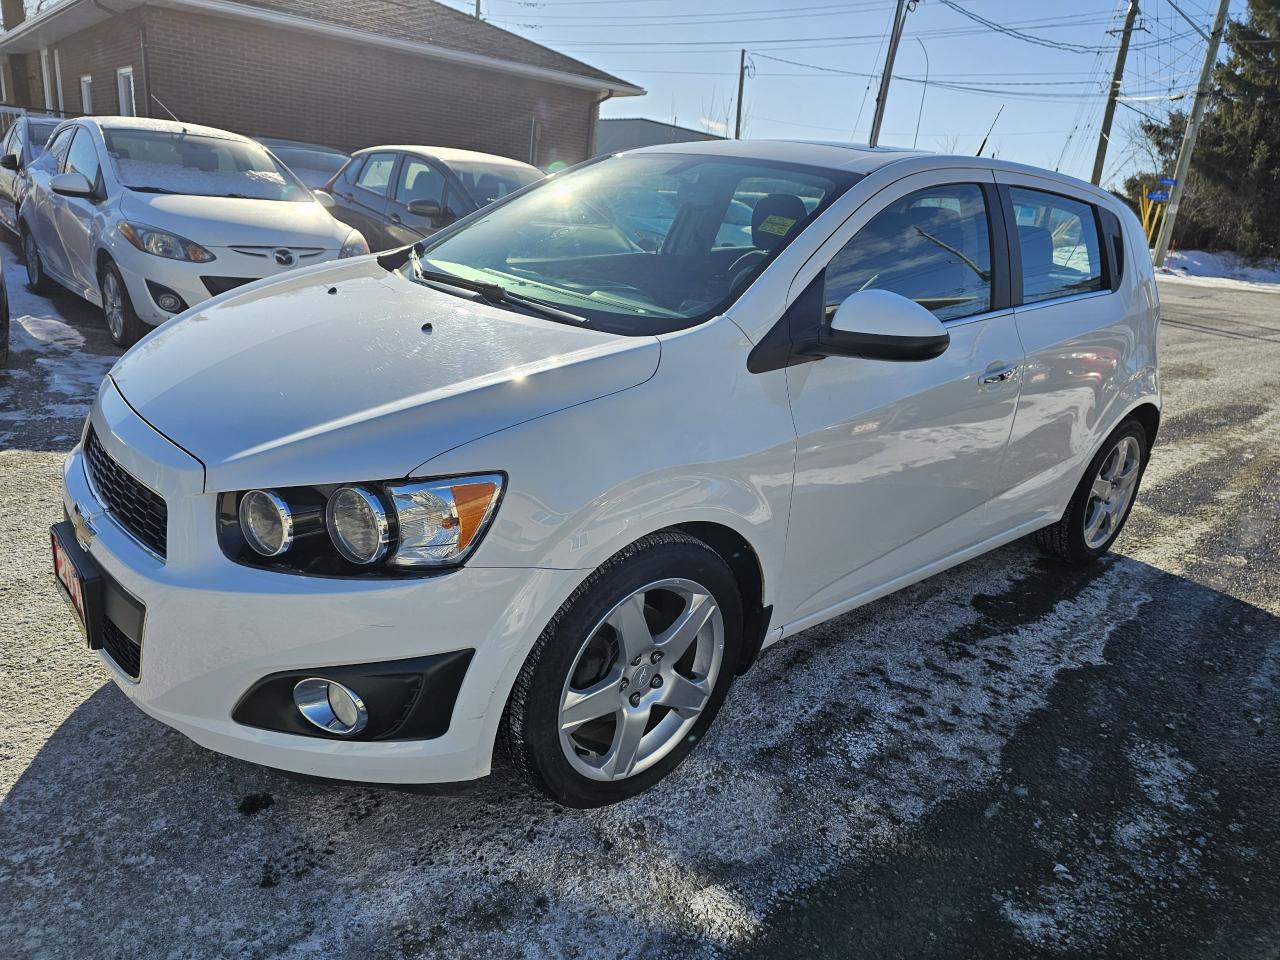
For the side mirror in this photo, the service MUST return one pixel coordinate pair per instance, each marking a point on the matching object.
(325, 199)
(424, 208)
(71, 184)
(10, 161)
(879, 325)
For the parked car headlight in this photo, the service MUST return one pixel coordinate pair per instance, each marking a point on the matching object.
(356, 245)
(394, 528)
(163, 244)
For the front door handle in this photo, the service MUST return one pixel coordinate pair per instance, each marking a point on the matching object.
(998, 375)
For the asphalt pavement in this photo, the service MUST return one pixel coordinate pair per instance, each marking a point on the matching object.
(1010, 759)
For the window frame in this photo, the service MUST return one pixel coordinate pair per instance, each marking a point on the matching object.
(1106, 254)
(121, 73)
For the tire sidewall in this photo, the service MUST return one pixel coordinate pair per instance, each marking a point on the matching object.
(31, 256)
(1079, 549)
(130, 324)
(539, 734)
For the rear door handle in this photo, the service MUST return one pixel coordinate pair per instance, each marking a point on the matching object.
(996, 375)
(395, 218)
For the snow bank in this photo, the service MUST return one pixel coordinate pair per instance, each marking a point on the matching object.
(1221, 270)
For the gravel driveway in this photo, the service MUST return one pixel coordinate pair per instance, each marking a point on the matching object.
(1007, 760)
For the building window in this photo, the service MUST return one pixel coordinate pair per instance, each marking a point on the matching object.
(86, 94)
(124, 89)
(57, 80)
(46, 79)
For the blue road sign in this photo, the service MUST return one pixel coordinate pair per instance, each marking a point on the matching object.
(1157, 194)
(1168, 182)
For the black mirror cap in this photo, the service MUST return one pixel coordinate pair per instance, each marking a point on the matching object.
(10, 161)
(875, 346)
(424, 208)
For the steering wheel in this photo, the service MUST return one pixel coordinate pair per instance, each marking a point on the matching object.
(748, 259)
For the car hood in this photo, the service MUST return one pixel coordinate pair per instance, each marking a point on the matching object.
(234, 221)
(330, 376)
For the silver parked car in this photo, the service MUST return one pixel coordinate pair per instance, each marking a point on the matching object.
(22, 145)
(149, 217)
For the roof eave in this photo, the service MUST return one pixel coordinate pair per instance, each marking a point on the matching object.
(58, 21)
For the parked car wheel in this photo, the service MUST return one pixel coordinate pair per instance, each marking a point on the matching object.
(4, 321)
(37, 279)
(1101, 503)
(122, 322)
(629, 674)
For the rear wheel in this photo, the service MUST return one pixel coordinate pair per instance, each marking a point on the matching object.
(123, 323)
(1101, 503)
(37, 279)
(629, 674)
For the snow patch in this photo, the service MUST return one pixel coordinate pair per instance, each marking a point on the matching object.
(1224, 269)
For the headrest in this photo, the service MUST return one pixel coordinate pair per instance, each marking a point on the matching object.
(488, 187)
(773, 218)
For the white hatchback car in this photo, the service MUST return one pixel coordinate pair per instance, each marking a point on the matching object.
(146, 218)
(375, 517)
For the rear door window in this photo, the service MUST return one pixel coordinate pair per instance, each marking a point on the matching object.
(375, 177)
(1059, 241)
(932, 246)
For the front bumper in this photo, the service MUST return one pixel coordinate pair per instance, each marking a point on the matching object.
(188, 280)
(213, 628)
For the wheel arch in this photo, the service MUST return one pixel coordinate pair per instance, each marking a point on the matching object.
(1148, 415)
(736, 551)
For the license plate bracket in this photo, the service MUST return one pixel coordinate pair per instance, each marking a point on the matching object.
(80, 581)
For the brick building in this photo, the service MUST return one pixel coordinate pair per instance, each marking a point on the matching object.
(350, 73)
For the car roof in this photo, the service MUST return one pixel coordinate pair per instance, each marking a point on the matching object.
(162, 126)
(448, 154)
(856, 158)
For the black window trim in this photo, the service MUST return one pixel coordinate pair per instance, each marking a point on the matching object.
(782, 345)
(1110, 273)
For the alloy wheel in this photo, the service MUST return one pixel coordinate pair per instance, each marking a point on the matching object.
(32, 256)
(113, 304)
(641, 679)
(1111, 492)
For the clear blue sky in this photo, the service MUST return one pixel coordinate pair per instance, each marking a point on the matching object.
(686, 56)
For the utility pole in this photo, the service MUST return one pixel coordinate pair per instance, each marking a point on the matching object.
(899, 20)
(1189, 136)
(742, 76)
(477, 9)
(1104, 135)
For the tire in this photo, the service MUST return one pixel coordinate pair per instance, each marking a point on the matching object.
(1091, 523)
(4, 324)
(37, 279)
(678, 581)
(123, 323)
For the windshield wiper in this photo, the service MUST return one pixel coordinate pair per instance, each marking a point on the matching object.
(149, 189)
(492, 292)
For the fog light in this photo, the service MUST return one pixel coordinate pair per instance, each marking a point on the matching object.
(330, 706)
(166, 299)
(170, 302)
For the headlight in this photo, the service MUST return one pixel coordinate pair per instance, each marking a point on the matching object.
(374, 529)
(163, 244)
(356, 246)
(441, 521)
(358, 524)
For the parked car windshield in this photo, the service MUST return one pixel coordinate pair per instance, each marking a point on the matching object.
(488, 182)
(642, 243)
(160, 161)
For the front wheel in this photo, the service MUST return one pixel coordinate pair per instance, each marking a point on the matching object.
(1102, 501)
(37, 279)
(629, 674)
(123, 323)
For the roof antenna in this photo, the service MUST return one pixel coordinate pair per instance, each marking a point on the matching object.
(165, 109)
(989, 129)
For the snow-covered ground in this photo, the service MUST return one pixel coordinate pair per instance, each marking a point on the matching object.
(1221, 270)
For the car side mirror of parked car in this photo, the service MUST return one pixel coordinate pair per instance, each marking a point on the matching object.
(425, 208)
(10, 161)
(880, 325)
(325, 199)
(71, 184)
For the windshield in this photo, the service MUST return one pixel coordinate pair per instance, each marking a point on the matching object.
(643, 243)
(38, 135)
(158, 161)
(487, 182)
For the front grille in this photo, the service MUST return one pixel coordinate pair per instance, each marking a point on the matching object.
(126, 652)
(217, 285)
(138, 509)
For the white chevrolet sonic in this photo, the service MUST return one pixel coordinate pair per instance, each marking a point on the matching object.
(532, 485)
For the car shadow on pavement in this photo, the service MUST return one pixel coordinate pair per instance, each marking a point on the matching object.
(1009, 759)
